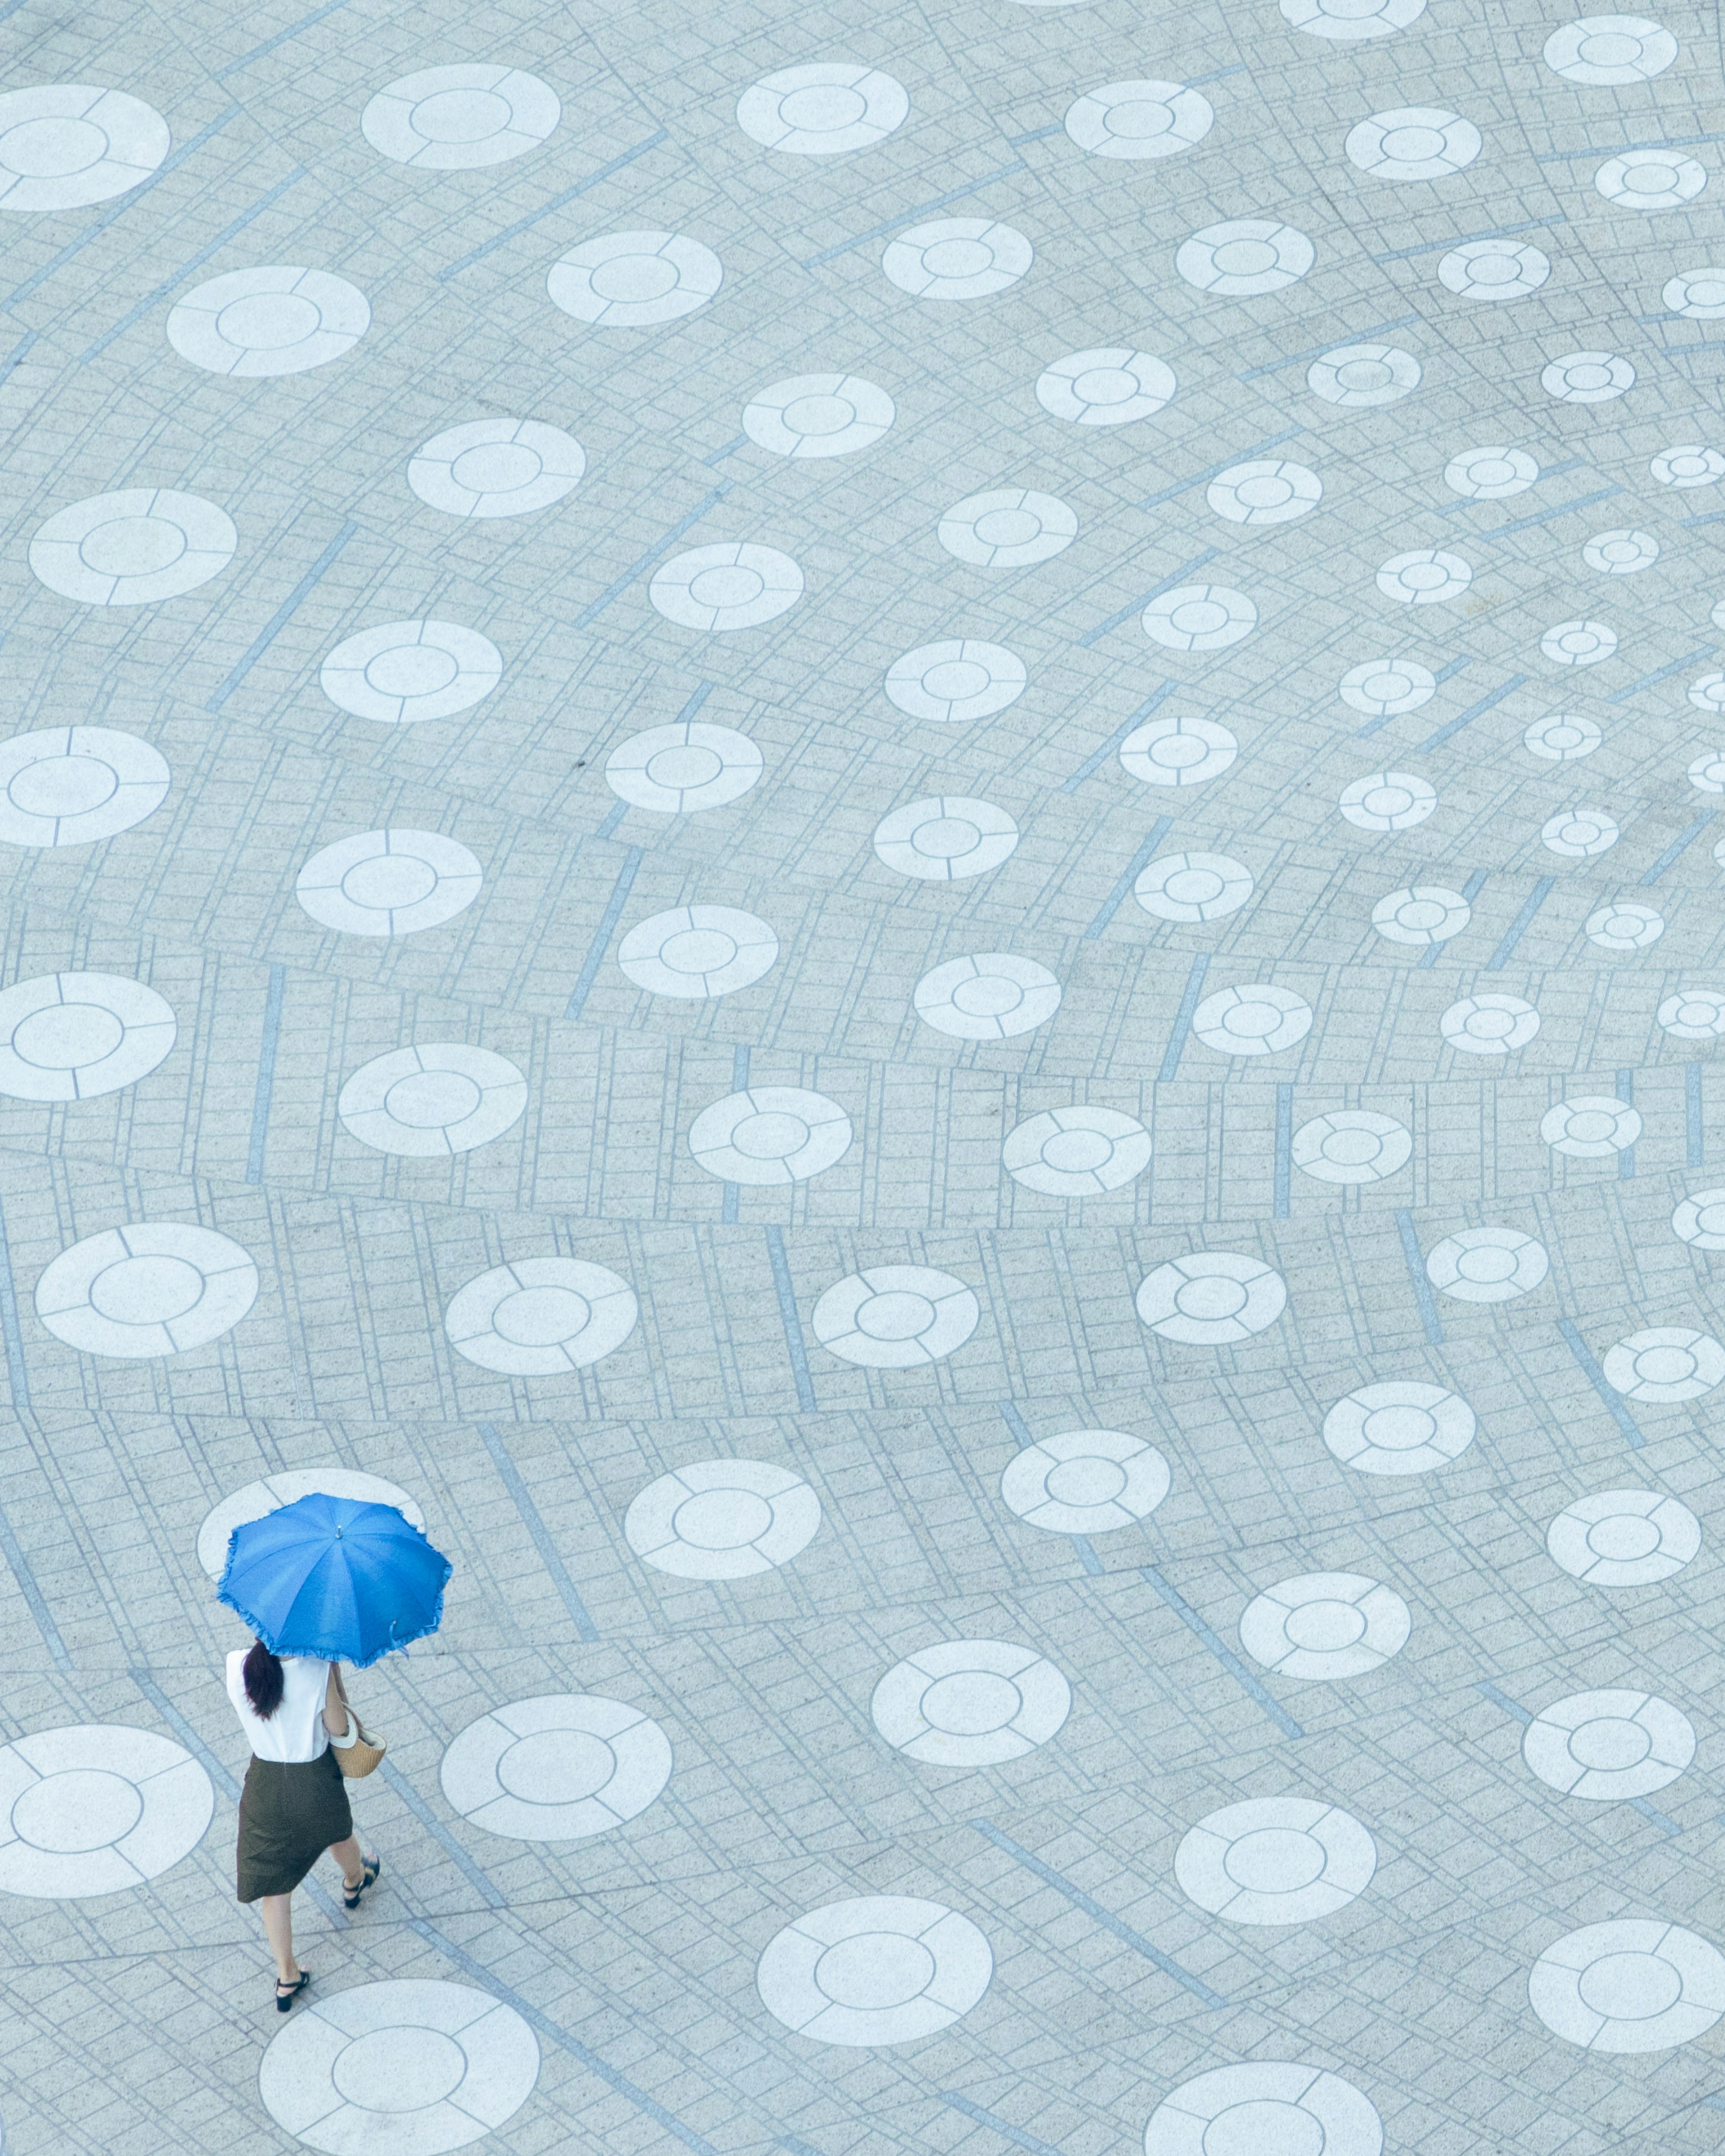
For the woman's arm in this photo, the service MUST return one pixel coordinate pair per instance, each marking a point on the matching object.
(336, 1717)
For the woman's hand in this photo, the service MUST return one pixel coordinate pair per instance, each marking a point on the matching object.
(335, 1703)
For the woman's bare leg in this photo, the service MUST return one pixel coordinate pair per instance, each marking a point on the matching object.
(351, 1858)
(277, 1911)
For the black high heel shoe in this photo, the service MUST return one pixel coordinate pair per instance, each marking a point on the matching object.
(371, 1870)
(286, 1993)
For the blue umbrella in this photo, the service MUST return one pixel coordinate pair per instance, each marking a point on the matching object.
(335, 1578)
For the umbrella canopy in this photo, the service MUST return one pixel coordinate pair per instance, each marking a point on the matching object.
(336, 1579)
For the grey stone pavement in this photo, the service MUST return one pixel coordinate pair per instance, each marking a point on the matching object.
(892, 837)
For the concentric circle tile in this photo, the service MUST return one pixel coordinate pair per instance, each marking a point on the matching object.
(539, 1318)
(1325, 1626)
(1111, 386)
(71, 1036)
(1413, 142)
(150, 1288)
(1579, 833)
(1609, 1746)
(957, 258)
(1587, 378)
(1384, 688)
(1562, 738)
(1579, 644)
(411, 2067)
(970, 1703)
(1200, 617)
(388, 883)
(896, 1318)
(1493, 270)
(1211, 1298)
(1085, 1482)
(1271, 2108)
(679, 769)
(1487, 1265)
(496, 468)
(698, 951)
(282, 319)
(956, 681)
(435, 1098)
(1010, 528)
(1363, 376)
(1425, 915)
(630, 280)
(560, 1767)
(1426, 577)
(1076, 1153)
(1605, 51)
(1650, 179)
(1689, 464)
(945, 840)
(1700, 1221)
(1193, 887)
(1693, 1014)
(1665, 1364)
(1490, 475)
(404, 672)
(722, 1519)
(1256, 1019)
(456, 119)
(990, 996)
(825, 109)
(1403, 1427)
(1624, 1537)
(97, 1808)
(1592, 1126)
(724, 588)
(64, 145)
(1698, 294)
(1275, 1860)
(1352, 1145)
(770, 1135)
(1388, 801)
(136, 547)
(1620, 553)
(1706, 773)
(1177, 751)
(1489, 1026)
(256, 1499)
(1265, 492)
(1637, 1985)
(1625, 925)
(884, 1968)
(1139, 120)
(1244, 258)
(817, 415)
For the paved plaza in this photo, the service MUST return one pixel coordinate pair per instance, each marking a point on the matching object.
(892, 836)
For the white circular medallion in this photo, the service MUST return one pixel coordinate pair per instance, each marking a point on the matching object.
(1264, 492)
(1256, 1019)
(698, 951)
(1386, 687)
(1622, 926)
(1489, 1026)
(957, 681)
(1609, 1746)
(388, 883)
(945, 840)
(722, 1519)
(630, 280)
(896, 1318)
(989, 996)
(1637, 1985)
(1698, 294)
(1487, 1265)
(1427, 576)
(242, 1507)
(1592, 1127)
(970, 1703)
(678, 769)
(1491, 473)
(1275, 1860)
(540, 1317)
(456, 119)
(1587, 378)
(1579, 833)
(735, 585)
(133, 548)
(1624, 1537)
(150, 1288)
(817, 415)
(496, 468)
(1200, 617)
(71, 1036)
(70, 786)
(1352, 1145)
(1110, 387)
(1620, 553)
(1245, 257)
(1085, 1482)
(1562, 738)
(277, 320)
(1008, 529)
(560, 1767)
(1360, 376)
(64, 145)
(1425, 915)
(1413, 142)
(884, 1968)
(1700, 1221)
(1388, 801)
(431, 1100)
(406, 671)
(957, 258)
(1665, 1364)
(1650, 179)
(1193, 887)
(1211, 1298)
(1139, 120)
(1605, 51)
(1492, 270)
(1707, 774)
(1271, 2108)
(1323, 1627)
(1177, 751)
(770, 1135)
(1076, 1153)
(1579, 643)
(827, 109)
(1694, 1015)
(97, 1808)
(1404, 1427)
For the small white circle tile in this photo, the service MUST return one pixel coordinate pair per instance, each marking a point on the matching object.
(990, 996)
(1256, 1019)
(957, 258)
(1592, 1126)
(1624, 1537)
(1110, 387)
(1420, 916)
(1323, 1627)
(1269, 2108)
(559, 1768)
(150, 1288)
(1487, 1265)
(1587, 378)
(458, 118)
(1385, 688)
(1211, 1298)
(1562, 738)
(1008, 528)
(388, 883)
(1610, 51)
(287, 1487)
(956, 681)
(828, 109)
(1275, 1860)
(971, 1703)
(133, 548)
(433, 1099)
(1579, 644)
(1352, 1145)
(1493, 271)
(282, 319)
(64, 145)
(1489, 1024)
(96, 1808)
(678, 769)
(945, 840)
(722, 1519)
(1696, 294)
(630, 280)
(1388, 801)
(411, 2067)
(1636, 1984)
(540, 1317)
(1579, 833)
(1402, 1427)
(1625, 925)
(1689, 464)
(1429, 576)
(883, 1968)
(1244, 258)
(1700, 1221)
(896, 1318)
(1139, 120)
(500, 467)
(1085, 1482)
(698, 951)
(1200, 617)
(817, 415)
(70, 786)
(1620, 553)
(1665, 1364)
(71, 1036)
(1077, 1152)
(771, 1135)
(1363, 376)
(1693, 1014)
(1491, 473)
(723, 588)
(1265, 492)
(1650, 179)
(1193, 887)
(1177, 751)
(1413, 142)
(402, 672)
(1608, 1745)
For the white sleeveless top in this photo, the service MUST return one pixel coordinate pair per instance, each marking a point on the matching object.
(295, 1734)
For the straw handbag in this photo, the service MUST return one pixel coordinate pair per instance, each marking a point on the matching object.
(363, 1756)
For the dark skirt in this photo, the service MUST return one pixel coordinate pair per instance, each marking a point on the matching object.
(289, 1815)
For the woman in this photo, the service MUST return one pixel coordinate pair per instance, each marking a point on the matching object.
(294, 1806)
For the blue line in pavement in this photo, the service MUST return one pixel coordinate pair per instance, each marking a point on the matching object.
(1502, 1699)
(1557, 509)
(446, 1841)
(602, 934)
(510, 1477)
(1086, 1556)
(1182, 1019)
(1224, 1653)
(1097, 757)
(1474, 711)
(1664, 673)
(613, 817)
(1693, 1134)
(1170, 583)
(1215, 471)
(1304, 358)
(1415, 1259)
(1284, 1151)
(596, 607)
(1602, 1385)
(266, 1074)
(793, 1340)
(1015, 1422)
(1093, 1909)
(1678, 846)
(281, 37)
(227, 232)
(1134, 868)
(1470, 891)
(910, 216)
(545, 209)
(283, 614)
(1519, 926)
(1005, 2127)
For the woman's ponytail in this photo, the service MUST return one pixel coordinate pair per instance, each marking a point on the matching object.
(264, 1682)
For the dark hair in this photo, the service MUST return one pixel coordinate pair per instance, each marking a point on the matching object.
(265, 1683)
